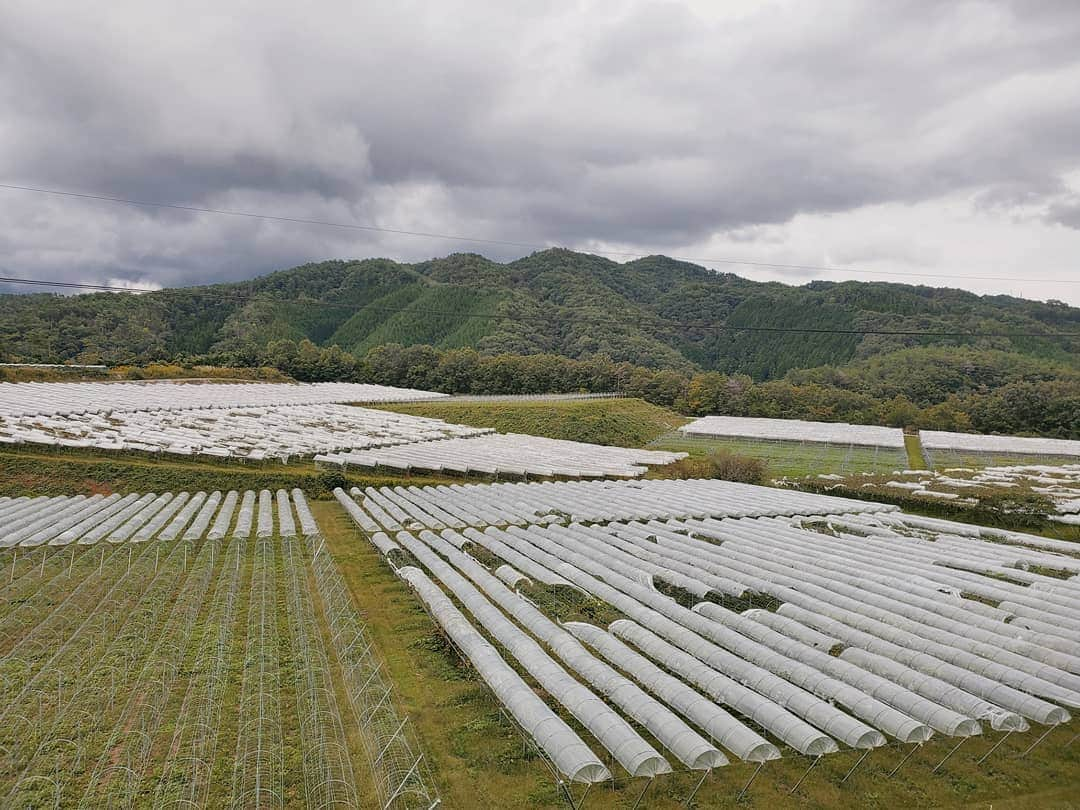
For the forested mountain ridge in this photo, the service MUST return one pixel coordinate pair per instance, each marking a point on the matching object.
(655, 312)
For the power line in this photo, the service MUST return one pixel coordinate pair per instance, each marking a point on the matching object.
(76, 285)
(660, 323)
(510, 243)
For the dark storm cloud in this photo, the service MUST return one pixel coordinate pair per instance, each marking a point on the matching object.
(633, 123)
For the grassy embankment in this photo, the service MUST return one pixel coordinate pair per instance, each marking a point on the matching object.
(618, 422)
(39, 470)
(477, 758)
(635, 423)
(792, 459)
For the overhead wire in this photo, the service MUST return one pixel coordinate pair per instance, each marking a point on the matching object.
(356, 226)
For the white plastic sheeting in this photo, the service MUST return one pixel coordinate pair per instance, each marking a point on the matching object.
(359, 516)
(792, 588)
(552, 735)
(631, 599)
(92, 397)
(308, 526)
(201, 522)
(792, 629)
(73, 533)
(750, 656)
(244, 520)
(615, 734)
(480, 505)
(96, 533)
(888, 623)
(286, 522)
(183, 517)
(264, 524)
(132, 524)
(996, 694)
(132, 518)
(673, 733)
(795, 430)
(511, 577)
(981, 443)
(515, 558)
(194, 424)
(915, 591)
(721, 726)
(155, 524)
(1029, 674)
(508, 453)
(48, 526)
(909, 707)
(224, 516)
(749, 702)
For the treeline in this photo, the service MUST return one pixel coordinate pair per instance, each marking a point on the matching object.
(654, 312)
(945, 390)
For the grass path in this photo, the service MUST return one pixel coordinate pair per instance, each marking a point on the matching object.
(916, 459)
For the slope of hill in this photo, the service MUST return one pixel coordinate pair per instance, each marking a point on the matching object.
(656, 312)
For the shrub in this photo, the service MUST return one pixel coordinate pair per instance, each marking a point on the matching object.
(724, 465)
(331, 479)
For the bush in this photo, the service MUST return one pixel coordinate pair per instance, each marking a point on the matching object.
(735, 467)
(723, 465)
(332, 479)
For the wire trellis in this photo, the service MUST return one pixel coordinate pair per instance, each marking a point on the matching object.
(139, 603)
(188, 768)
(398, 767)
(134, 732)
(328, 775)
(258, 775)
(46, 667)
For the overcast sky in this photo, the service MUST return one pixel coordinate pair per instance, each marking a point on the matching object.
(930, 140)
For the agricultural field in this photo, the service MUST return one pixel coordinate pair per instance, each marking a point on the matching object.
(791, 458)
(225, 666)
(437, 681)
(196, 632)
(946, 459)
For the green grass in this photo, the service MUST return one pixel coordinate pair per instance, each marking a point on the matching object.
(33, 470)
(119, 696)
(916, 459)
(476, 755)
(619, 422)
(792, 459)
(944, 459)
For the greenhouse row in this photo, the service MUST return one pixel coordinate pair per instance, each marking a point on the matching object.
(500, 504)
(881, 626)
(509, 454)
(978, 443)
(57, 521)
(250, 433)
(18, 399)
(794, 430)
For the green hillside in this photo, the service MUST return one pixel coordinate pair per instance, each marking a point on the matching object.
(619, 422)
(655, 312)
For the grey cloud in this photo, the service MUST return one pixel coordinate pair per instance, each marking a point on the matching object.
(637, 123)
(1066, 212)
